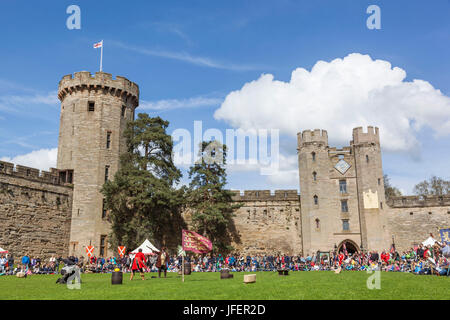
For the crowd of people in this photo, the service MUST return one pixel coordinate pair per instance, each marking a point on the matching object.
(28, 265)
(420, 260)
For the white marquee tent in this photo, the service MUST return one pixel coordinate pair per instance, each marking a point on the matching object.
(147, 248)
(429, 242)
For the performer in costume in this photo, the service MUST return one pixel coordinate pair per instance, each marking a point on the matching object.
(138, 264)
(162, 262)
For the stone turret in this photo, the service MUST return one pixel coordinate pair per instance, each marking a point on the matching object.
(312, 136)
(94, 114)
(371, 136)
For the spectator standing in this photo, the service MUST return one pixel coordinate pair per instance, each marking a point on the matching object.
(3, 263)
(26, 262)
(10, 262)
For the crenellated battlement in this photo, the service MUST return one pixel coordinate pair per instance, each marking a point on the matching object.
(29, 173)
(316, 135)
(418, 201)
(371, 136)
(265, 195)
(100, 81)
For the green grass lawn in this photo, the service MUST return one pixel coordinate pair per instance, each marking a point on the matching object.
(269, 286)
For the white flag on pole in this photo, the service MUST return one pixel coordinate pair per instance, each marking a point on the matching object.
(98, 44)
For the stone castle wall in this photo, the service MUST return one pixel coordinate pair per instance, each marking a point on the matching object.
(35, 212)
(268, 223)
(411, 219)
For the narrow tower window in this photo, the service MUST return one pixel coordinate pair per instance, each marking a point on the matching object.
(317, 223)
(313, 154)
(91, 106)
(104, 209)
(344, 206)
(108, 140)
(314, 176)
(343, 186)
(316, 200)
(106, 173)
(367, 158)
(124, 108)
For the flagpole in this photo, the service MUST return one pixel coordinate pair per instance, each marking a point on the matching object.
(101, 57)
(182, 268)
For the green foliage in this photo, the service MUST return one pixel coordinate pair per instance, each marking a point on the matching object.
(211, 204)
(142, 200)
(434, 186)
(389, 190)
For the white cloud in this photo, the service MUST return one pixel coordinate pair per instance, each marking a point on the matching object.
(15, 103)
(338, 96)
(286, 175)
(186, 57)
(50, 98)
(42, 159)
(170, 104)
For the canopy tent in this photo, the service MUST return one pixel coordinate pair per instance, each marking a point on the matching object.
(3, 250)
(147, 248)
(429, 242)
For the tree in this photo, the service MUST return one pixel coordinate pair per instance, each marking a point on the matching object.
(211, 204)
(142, 200)
(389, 190)
(434, 186)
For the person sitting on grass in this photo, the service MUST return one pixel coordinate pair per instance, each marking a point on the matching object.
(443, 267)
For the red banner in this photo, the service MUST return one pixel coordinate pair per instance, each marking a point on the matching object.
(89, 250)
(121, 250)
(194, 242)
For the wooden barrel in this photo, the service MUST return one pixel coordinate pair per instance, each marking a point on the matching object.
(187, 268)
(224, 274)
(117, 277)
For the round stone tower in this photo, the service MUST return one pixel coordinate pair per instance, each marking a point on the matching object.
(94, 114)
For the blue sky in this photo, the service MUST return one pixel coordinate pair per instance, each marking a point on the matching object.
(187, 57)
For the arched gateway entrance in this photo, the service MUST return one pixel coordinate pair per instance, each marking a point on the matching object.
(350, 245)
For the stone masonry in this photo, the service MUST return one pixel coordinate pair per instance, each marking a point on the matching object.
(35, 211)
(268, 222)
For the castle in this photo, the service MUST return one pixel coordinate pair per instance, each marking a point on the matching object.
(342, 197)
